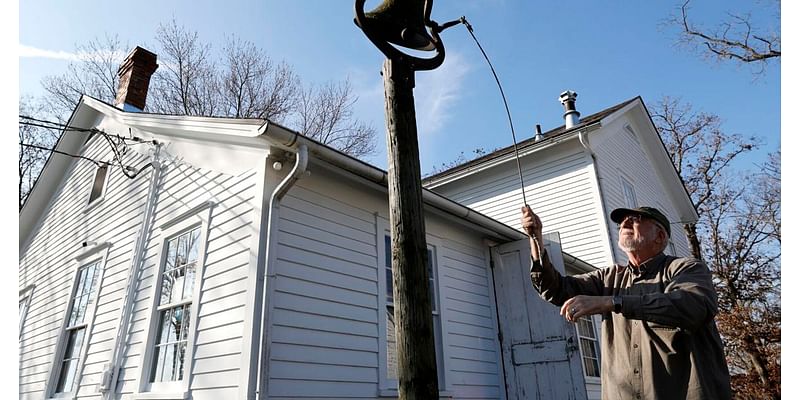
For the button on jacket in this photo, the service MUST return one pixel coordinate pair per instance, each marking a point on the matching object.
(664, 344)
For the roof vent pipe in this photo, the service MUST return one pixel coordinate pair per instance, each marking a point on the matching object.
(571, 115)
(539, 135)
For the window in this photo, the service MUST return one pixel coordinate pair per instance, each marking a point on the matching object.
(628, 193)
(99, 183)
(167, 349)
(78, 318)
(24, 303)
(389, 378)
(177, 284)
(590, 353)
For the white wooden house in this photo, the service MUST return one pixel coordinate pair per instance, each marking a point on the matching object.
(222, 258)
(574, 176)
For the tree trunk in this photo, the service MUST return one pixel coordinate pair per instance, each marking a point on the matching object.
(757, 360)
(416, 352)
(694, 241)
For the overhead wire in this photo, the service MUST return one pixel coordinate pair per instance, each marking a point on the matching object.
(126, 170)
(463, 20)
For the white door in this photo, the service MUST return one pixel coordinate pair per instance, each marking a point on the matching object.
(540, 350)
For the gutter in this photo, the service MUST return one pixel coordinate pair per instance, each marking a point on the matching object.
(270, 255)
(291, 141)
(110, 374)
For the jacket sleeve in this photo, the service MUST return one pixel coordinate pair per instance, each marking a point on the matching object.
(688, 301)
(556, 288)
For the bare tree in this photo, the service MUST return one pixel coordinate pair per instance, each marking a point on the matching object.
(33, 144)
(253, 86)
(744, 253)
(700, 151)
(243, 83)
(736, 38)
(460, 159)
(740, 228)
(186, 81)
(94, 74)
(326, 115)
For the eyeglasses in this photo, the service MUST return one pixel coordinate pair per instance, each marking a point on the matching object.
(634, 218)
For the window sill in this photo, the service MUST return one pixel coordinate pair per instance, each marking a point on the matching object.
(89, 207)
(392, 393)
(159, 396)
(591, 379)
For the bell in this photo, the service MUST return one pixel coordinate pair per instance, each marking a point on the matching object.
(401, 22)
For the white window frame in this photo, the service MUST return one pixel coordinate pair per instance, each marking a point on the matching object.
(197, 217)
(25, 296)
(596, 339)
(90, 203)
(95, 254)
(628, 192)
(388, 387)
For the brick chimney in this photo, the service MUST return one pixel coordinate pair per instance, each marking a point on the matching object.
(134, 79)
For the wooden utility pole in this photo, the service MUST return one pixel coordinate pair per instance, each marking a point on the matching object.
(416, 351)
(407, 24)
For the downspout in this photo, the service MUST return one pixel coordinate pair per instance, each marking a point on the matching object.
(108, 379)
(584, 140)
(290, 140)
(300, 165)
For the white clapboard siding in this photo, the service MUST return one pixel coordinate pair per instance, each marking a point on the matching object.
(48, 263)
(469, 322)
(325, 329)
(324, 340)
(220, 324)
(619, 154)
(560, 187)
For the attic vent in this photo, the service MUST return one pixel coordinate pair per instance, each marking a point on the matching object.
(631, 132)
(99, 184)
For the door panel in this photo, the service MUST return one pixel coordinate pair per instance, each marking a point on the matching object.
(540, 350)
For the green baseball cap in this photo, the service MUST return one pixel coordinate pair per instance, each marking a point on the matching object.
(653, 213)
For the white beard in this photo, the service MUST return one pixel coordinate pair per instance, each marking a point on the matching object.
(631, 243)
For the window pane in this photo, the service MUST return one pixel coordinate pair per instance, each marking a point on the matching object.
(186, 318)
(586, 327)
(172, 254)
(182, 251)
(170, 350)
(99, 182)
(158, 367)
(167, 286)
(66, 376)
(188, 280)
(69, 362)
(194, 245)
(177, 288)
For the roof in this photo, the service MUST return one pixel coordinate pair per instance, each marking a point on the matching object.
(254, 134)
(549, 136)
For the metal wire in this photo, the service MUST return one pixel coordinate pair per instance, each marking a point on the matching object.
(505, 103)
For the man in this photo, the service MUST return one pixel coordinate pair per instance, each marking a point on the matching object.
(659, 339)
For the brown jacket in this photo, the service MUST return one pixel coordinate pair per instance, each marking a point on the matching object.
(664, 344)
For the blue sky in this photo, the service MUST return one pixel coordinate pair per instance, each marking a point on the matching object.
(606, 51)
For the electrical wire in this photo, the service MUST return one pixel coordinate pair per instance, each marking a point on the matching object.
(505, 103)
(126, 170)
(463, 20)
(98, 163)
